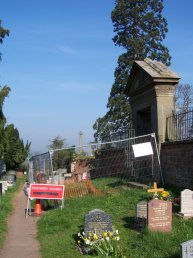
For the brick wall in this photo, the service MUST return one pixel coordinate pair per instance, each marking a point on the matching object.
(177, 163)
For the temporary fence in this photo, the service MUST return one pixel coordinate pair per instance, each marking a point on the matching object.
(117, 158)
(136, 159)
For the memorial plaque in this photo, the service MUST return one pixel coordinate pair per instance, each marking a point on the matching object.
(186, 249)
(160, 215)
(186, 203)
(97, 221)
(141, 215)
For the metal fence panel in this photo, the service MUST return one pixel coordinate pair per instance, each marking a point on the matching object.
(179, 126)
(105, 159)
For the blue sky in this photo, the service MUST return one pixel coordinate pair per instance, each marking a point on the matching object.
(59, 61)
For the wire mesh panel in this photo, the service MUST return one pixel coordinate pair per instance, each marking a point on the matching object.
(109, 159)
(117, 159)
(39, 164)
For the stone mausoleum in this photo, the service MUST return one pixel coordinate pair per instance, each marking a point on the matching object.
(151, 88)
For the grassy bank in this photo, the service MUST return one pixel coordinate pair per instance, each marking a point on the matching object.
(57, 228)
(6, 207)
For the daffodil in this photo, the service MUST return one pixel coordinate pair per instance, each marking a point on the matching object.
(105, 234)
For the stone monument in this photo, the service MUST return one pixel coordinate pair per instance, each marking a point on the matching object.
(97, 221)
(160, 215)
(151, 88)
(186, 207)
(186, 249)
(141, 215)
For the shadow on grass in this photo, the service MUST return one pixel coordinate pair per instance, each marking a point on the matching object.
(129, 222)
(117, 184)
(172, 256)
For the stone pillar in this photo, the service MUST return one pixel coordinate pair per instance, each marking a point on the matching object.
(165, 106)
(151, 88)
(81, 141)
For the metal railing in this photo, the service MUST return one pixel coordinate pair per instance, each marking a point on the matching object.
(179, 126)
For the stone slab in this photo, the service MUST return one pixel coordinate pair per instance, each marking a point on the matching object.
(97, 221)
(186, 208)
(160, 215)
(5, 186)
(186, 249)
(137, 185)
(141, 215)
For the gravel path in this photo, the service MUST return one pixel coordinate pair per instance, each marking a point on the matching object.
(21, 236)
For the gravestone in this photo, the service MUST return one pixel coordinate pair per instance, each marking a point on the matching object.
(186, 210)
(97, 221)
(141, 215)
(4, 186)
(1, 191)
(160, 215)
(186, 249)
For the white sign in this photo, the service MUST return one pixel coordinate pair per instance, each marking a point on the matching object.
(142, 149)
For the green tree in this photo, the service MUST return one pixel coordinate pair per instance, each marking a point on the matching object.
(62, 157)
(3, 34)
(140, 30)
(57, 143)
(4, 92)
(15, 152)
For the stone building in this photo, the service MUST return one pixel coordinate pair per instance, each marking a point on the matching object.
(151, 88)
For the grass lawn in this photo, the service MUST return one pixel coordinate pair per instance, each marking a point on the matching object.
(6, 208)
(57, 228)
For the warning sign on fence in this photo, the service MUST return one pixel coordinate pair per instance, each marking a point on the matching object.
(46, 191)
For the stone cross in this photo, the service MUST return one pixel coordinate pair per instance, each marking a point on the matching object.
(155, 190)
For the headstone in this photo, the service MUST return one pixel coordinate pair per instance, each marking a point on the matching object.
(5, 185)
(1, 189)
(160, 215)
(186, 249)
(141, 215)
(97, 221)
(186, 210)
(11, 179)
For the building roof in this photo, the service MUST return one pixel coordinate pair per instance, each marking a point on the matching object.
(157, 69)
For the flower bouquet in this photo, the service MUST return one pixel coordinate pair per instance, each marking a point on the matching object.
(104, 245)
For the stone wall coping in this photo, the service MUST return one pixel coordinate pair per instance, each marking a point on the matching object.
(178, 142)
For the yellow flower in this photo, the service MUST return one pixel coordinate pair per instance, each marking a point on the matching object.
(105, 234)
(165, 194)
(95, 237)
(110, 234)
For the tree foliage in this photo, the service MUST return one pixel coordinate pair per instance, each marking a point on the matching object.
(183, 97)
(62, 157)
(57, 143)
(12, 148)
(15, 152)
(3, 34)
(140, 30)
(4, 92)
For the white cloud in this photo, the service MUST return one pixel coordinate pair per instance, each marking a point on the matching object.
(66, 50)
